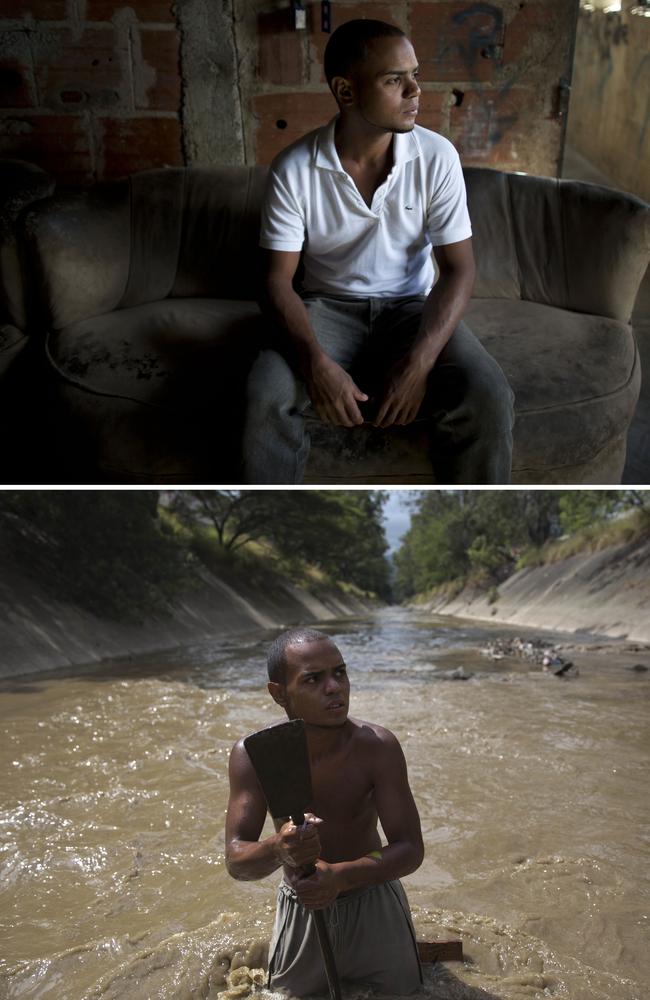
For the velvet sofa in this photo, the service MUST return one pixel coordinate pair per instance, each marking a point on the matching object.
(142, 299)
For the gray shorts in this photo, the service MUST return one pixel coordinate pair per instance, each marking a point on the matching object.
(372, 937)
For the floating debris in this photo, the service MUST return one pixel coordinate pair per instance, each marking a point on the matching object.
(538, 651)
(459, 674)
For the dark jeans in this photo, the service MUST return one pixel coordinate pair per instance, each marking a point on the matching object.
(468, 405)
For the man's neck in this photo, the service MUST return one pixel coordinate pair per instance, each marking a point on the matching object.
(362, 144)
(323, 740)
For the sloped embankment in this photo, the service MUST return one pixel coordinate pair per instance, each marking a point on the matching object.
(38, 632)
(606, 592)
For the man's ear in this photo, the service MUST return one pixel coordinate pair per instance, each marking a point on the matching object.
(343, 91)
(278, 693)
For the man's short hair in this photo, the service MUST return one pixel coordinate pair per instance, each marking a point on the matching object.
(276, 661)
(348, 45)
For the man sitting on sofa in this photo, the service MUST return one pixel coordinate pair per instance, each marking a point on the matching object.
(368, 200)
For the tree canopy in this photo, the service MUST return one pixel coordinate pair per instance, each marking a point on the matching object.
(339, 531)
(478, 535)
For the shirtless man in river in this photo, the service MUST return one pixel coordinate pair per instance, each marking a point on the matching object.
(358, 778)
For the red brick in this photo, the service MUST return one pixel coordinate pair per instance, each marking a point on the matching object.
(502, 127)
(58, 143)
(434, 110)
(41, 10)
(451, 41)
(157, 11)
(340, 14)
(133, 144)
(89, 64)
(16, 81)
(280, 52)
(302, 113)
(160, 52)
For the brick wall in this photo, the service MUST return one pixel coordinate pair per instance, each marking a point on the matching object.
(490, 75)
(90, 99)
(93, 90)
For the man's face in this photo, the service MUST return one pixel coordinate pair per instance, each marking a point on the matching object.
(317, 688)
(385, 87)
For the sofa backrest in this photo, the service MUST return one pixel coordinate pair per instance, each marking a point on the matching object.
(193, 232)
(78, 249)
(558, 242)
(168, 232)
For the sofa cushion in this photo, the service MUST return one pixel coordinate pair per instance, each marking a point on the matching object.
(575, 377)
(174, 354)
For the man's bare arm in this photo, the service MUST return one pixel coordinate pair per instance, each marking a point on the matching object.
(442, 312)
(334, 395)
(248, 858)
(400, 821)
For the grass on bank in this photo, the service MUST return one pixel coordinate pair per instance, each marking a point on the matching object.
(446, 591)
(624, 530)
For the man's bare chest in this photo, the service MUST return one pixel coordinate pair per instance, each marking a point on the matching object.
(342, 789)
(368, 181)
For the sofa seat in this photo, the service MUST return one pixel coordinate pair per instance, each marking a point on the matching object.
(174, 353)
(175, 369)
(576, 380)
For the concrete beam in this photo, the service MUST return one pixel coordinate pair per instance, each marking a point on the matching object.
(211, 109)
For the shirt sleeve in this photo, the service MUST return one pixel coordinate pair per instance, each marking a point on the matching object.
(447, 216)
(283, 219)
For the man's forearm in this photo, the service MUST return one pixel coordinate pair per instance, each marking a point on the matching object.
(248, 861)
(287, 310)
(442, 312)
(393, 861)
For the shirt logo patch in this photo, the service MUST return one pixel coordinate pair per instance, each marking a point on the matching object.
(409, 208)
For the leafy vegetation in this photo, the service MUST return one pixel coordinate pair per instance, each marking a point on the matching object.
(591, 538)
(337, 531)
(108, 550)
(479, 537)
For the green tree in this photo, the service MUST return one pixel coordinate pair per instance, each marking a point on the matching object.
(339, 531)
(237, 516)
(472, 535)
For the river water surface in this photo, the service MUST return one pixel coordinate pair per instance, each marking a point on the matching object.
(532, 791)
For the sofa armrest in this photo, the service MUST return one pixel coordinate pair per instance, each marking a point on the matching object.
(21, 184)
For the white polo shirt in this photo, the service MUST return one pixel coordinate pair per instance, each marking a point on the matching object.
(349, 248)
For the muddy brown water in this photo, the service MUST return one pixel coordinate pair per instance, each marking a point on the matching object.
(532, 792)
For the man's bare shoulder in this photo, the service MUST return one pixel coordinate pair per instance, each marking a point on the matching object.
(373, 737)
(240, 764)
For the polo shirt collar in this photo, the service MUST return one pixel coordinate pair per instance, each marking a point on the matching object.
(405, 147)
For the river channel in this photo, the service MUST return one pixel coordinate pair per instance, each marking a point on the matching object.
(532, 790)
